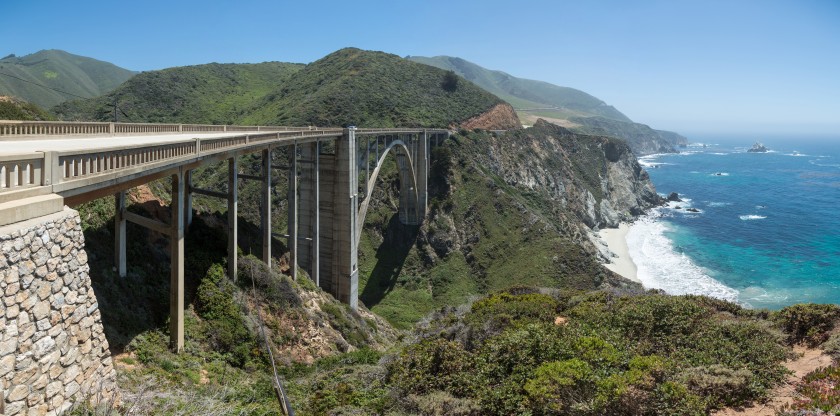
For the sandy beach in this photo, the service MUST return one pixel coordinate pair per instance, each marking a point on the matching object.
(616, 239)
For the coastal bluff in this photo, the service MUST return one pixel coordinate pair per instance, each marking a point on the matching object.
(53, 351)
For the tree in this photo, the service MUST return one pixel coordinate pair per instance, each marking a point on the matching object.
(450, 81)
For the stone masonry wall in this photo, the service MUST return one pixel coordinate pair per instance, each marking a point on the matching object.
(53, 351)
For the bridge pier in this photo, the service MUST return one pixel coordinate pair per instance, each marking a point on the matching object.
(308, 245)
(292, 223)
(345, 264)
(233, 206)
(176, 247)
(119, 233)
(265, 207)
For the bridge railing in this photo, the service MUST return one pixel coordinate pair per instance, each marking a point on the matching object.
(74, 168)
(20, 171)
(16, 128)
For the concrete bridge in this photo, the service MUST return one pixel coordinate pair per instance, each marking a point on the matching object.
(332, 172)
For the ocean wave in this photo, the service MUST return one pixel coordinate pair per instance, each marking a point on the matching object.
(719, 154)
(719, 174)
(718, 204)
(825, 165)
(660, 266)
(751, 217)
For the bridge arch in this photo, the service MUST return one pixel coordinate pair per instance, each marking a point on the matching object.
(409, 209)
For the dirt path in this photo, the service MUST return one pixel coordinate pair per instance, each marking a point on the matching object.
(809, 360)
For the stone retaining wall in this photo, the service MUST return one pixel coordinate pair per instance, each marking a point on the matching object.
(53, 351)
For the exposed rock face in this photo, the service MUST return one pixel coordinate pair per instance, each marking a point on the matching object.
(596, 178)
(500, 117)
(674, 197)
(53, 350)
(641, 138)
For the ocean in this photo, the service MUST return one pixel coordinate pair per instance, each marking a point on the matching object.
(767, 230)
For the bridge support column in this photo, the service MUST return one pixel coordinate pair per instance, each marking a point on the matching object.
(421, 169)
(119, 234)
(265, 208)
(233, 181)
(345, 261)
(176, 281)
(188, 216)
(293, 211)
(308, 245)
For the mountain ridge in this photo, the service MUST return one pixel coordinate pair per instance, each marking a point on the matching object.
(347, 87)
(572, 108)
(75, 75)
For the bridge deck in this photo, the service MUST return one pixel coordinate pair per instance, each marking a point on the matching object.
(93, 143)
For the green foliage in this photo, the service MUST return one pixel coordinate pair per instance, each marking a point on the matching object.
(435, 364)
(225, 325)
(450, 81)
(13, 109)
(523, 92)
(614, 355)
(59, 70)
(562, 386)
(818, 391)
(347, 87)
(673, 398)
(717, 382)
(211, 93)
(504, 308)
(808, 322)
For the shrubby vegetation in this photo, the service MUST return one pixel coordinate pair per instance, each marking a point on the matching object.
(595, 353)
(14, 109)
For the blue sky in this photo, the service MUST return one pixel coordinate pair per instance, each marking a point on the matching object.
(736, 66)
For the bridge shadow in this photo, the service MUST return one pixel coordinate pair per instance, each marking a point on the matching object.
(139, 302)
(397, 241)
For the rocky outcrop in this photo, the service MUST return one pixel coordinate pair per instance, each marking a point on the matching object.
(642, 139)
(598, 179)
(53, 350)
(501, 117)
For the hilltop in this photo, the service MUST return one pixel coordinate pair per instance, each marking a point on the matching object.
(347, 87)
(564, 106)
(74, 74)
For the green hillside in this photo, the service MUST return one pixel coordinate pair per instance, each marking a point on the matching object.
(212, 93)
(565, 106)
(14, 109)
(525, 93)
(347, 87)
(364, 88)
(74, 74)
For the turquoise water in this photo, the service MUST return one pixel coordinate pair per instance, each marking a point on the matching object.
(768, 231)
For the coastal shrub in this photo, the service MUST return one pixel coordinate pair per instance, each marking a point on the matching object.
(721, 385)
(441, 403)
(808, 322)
(739, 344)
(674, 398)
(434, 364)
(517, 351)
(225, 327)
(716, 305)
(818, 391)
(562, 386)
(531, 307)
(832, 346)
